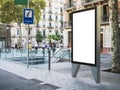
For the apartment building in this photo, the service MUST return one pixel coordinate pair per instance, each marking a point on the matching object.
(69, 6)
(52, 18)
(51, 23)
(105, 34)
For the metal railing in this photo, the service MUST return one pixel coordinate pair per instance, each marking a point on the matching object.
(90, 1)
(20, 55)
(50, 27)
(40, 58)
(50, 19)
(61, 55)
(67, 24)
(69, 5)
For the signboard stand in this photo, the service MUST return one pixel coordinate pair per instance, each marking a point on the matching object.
(75, 69)
(96, 74)
(94, 69)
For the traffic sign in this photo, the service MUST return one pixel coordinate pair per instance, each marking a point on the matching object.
(28, 16)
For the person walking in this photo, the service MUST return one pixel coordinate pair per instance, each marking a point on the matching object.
(54, 47)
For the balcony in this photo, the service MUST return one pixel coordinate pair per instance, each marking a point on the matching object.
(88, 2)
(50, 27)
(67, 25)
(43, 26)
(50, 12)
(56, 26)
(69, 6)
(104, 18)
(49, 19)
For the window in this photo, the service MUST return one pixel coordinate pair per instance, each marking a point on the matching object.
(105, 10)
(56, 17)
(105, 17)
(50, 18)
(56, 32)
(49, 3)
(101, 30)
(49, 24)
(44, 16)
(18, 32)
(61, 10)
(50, 31)
(44, 33)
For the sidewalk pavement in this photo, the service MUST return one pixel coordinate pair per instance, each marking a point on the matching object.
(60, 75)
(9, 81)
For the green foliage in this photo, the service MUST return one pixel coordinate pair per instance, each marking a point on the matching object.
(13, 13)
(37, 5)
(39, 36)
(10, 12)
(50, 37)
(54, 37)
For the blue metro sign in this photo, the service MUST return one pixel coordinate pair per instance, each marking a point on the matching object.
(28, 16)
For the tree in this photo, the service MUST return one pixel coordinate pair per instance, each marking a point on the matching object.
(39, 36)
(50, 37)
(13, 13)
(56, 37)
(113, 20)
(37, 5)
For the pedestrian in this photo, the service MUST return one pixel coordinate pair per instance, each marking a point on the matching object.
(61, 45)
(54, 47)
(36, 47)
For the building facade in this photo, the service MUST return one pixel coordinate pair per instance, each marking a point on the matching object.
(105, 34)
(51, 23)
(52, 18)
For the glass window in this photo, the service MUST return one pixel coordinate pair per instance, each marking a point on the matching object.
(18, 32)
(43, 33)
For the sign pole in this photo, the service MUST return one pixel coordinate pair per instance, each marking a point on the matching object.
(28, 41)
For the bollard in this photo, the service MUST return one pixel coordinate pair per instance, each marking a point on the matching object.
(49, 60)
(0, 52)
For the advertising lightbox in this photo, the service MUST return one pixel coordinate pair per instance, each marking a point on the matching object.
(84, 36)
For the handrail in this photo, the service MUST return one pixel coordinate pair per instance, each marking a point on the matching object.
(61, 55)
(56, 53)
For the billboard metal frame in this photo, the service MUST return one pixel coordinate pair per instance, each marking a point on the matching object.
(95, 33)
(95, 68)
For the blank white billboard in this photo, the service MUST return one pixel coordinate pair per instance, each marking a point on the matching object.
(84, 36)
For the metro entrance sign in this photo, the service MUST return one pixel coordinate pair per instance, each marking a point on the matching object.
(28, 16)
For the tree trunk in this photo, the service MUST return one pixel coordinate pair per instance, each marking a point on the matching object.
(20, 37)
(114, 26)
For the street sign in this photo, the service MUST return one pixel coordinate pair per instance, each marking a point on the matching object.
(21, 2)
(28, 16)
